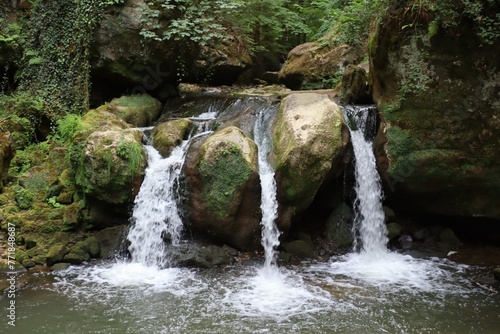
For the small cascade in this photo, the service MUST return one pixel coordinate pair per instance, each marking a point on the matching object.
(156, 215)
(369, 220)
(269, 202)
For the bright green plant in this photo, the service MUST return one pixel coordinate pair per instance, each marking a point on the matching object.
(52, 201)
(68, 126)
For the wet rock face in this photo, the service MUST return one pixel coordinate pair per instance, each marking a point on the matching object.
(438, 96)
(307, 139)
(224, 189)
(166, 136)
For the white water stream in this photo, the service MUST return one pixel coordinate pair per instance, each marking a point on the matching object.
(156, 216)
(369, 219)
(269, 202)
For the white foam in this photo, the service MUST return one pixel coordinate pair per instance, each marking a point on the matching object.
(276, 293)
(394, 271)
(121, 276)
(206, 116)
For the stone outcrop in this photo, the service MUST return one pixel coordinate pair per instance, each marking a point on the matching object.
(354, 88)
(166, 136)
(436, 88)
(317, 65)
(121, 55)
(107, 157)
(137, 110)
(307, 142)
(223, 183)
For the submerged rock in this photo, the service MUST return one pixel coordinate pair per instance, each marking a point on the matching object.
(201, 257)
(224, 187)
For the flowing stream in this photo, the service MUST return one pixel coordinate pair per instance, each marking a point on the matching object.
(156, 215)
(269, 202)
(370, 290)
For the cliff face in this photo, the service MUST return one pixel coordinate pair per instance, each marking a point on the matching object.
(436, 86)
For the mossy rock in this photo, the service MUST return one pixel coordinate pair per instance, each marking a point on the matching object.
(317, 65)
(436, 94)
(226, 161)
(168, 135)
(56, 253)
(394, 230)
(90, 246)
(222, 176)
(76, 256)
(110, 240)
(96, 120)
(137, 110)
(307, 137)
(6, 266)
(339, 228)
(300, 248)
(6, 154)
(110, 164)
(354, 85)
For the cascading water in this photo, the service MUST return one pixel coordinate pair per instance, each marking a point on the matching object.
(369, 220)
(156, 214)
(269, 203)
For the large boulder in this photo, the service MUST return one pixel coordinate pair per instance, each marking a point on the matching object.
(307, 140)
(317, 65)
(436, 86)
(221, 64)
(138, 110)
(107, 158)
(224, 187)
(121, 55)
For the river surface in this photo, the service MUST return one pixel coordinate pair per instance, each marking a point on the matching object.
(415, 296)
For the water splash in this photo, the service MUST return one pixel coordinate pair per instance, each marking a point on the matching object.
(269, 202)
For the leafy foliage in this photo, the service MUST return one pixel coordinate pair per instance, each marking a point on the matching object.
(55, 65)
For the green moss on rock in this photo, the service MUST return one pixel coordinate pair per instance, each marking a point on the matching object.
(137, 110)
(224, 170)
(168, 135)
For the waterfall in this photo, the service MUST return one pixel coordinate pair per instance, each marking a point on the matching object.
(269, 202)
(156, 216)
(369, 220)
